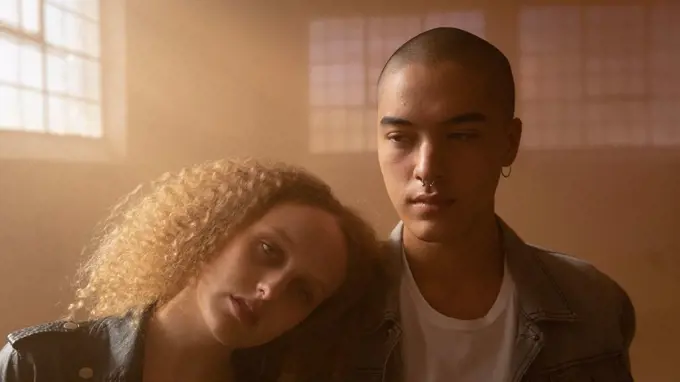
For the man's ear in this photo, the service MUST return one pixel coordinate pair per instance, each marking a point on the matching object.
(513, 136)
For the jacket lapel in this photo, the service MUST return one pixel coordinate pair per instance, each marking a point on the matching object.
(539, 298)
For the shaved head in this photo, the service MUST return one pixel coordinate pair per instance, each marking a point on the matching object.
(445, 45)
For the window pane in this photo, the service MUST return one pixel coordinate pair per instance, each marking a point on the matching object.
(317, 85)
(615, 47)
(32, 109)
(75, 73)
(665, 118)
(30, 61)
(551, 124)
(664, 58)
(390, 33)
(74, 32)
(92, 80)
(550, 60)
(355, 85)
(9, 12)
(10, 118)
(30, 15)
(56, 72)
(550, 29)
(87, 8)
(91, 39)
(334, 94)
(54, 26)
(337, 85)
(317, 53)
(617, 123)
(9, 64)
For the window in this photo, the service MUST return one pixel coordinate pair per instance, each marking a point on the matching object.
(587, 76)
(664, 82)
(337, 80)
(51, 85)
(346, 57)
(50, 71)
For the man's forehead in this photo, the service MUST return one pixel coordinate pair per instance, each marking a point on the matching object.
(423, 83)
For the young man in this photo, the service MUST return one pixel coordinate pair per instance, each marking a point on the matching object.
(471, 302)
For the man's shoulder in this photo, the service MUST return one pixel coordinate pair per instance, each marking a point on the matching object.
(600, 307)
(563, 265)
(579, 280)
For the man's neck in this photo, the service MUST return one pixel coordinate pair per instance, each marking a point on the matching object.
(461, 277)
(178, 346)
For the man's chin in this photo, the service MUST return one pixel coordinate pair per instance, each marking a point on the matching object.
(428, 231)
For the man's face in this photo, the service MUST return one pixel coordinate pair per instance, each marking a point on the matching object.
(443, 124)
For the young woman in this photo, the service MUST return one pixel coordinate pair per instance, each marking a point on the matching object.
(225, 271)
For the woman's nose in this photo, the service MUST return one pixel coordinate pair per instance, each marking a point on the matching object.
(272, 286)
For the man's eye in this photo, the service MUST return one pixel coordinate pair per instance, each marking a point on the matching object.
(398, 138)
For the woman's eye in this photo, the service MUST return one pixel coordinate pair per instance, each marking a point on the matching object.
(266, 247)
(270, 253)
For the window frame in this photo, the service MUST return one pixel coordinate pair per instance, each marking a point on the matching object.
(111, 145)
(647, 97)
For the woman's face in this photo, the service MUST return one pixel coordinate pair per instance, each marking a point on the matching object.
(272, 275)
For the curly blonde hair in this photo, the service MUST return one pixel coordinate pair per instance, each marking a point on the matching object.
(156, 239)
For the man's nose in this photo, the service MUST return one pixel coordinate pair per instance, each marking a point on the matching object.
(427, 167)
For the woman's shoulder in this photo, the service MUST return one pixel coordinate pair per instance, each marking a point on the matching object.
(47, 333)
(115, 329)
(54, 335)
(88, 347)
(37, 350)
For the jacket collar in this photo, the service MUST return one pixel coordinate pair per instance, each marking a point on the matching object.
(125, 336)
(539, 295)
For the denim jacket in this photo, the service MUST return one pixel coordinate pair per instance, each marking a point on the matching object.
(104, 350)
(574, 324)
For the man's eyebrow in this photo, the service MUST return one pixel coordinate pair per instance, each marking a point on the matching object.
(456, 120)
(394, 121)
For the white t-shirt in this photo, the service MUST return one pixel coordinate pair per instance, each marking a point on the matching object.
(437, 348)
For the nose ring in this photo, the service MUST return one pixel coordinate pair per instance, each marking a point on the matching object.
(427, 185)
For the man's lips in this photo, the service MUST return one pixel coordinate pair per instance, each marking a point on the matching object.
(429, 203)
(430, 199)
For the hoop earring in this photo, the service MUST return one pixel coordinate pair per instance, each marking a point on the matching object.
(509, 172)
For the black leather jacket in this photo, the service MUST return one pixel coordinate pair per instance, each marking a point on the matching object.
(109, 349)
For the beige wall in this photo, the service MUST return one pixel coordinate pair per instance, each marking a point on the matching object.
(226, 78)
